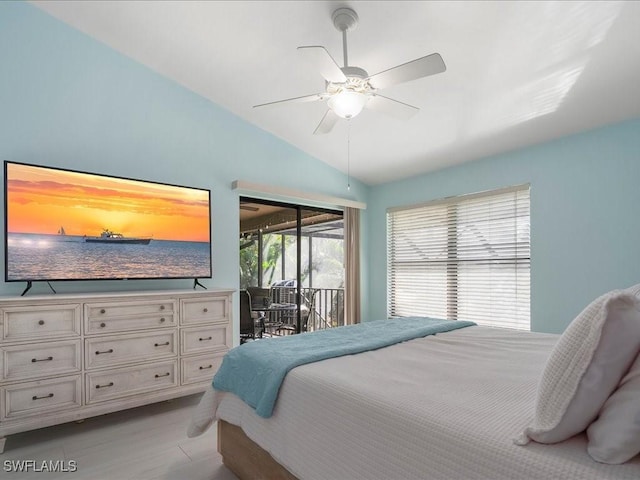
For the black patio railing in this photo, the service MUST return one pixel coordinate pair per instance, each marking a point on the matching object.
(324, 306)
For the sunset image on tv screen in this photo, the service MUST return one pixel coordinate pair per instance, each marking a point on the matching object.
(63, 225)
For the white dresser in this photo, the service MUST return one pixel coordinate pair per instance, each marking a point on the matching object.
(71, 356)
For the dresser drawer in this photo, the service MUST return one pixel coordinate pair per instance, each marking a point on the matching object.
(124, 324)
(201, 368)
(35, 398)
(109, 317)
(99, 311)
(210, 310)
(40, 322)
(122, 382)
(116, 350)
(204, 339)
(40, 360)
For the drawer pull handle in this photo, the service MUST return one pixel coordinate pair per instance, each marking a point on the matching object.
(105, 351)
(162, 344)
(206, 339)
(48, 359)
(102, 310)
(110, 384)
(162, 375)
(205, 310)
(41, 322)
(161, 307)
(102, 325)
(205, 368)
(35, 397)
(162, 320)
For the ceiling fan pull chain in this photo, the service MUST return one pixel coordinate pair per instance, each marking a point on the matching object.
(348, 154)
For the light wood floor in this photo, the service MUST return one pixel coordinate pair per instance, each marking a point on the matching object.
(145, 443)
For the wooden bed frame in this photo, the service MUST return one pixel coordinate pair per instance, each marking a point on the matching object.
(246, 458)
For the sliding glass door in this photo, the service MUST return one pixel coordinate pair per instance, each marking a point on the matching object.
(297, 252)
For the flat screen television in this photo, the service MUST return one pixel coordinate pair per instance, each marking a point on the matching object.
(70, 225)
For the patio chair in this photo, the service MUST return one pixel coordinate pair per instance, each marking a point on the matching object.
(261, 302)
(250, 326)
(306, 311)
(260, 298)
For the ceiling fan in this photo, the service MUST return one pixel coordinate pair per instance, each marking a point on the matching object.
(349, 89)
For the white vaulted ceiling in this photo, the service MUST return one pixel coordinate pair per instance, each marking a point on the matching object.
(518, 73)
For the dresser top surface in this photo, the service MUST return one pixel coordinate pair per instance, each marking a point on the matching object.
(122, 295)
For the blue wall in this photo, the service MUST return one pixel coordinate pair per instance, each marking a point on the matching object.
(67, 100)
(585, 217)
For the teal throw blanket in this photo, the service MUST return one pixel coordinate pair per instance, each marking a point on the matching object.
(254, 371)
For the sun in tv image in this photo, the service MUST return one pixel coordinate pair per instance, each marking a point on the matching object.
(68, 225)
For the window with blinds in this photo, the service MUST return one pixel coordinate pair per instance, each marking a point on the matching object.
(462, 258)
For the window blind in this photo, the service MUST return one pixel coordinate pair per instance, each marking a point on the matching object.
(465, 258)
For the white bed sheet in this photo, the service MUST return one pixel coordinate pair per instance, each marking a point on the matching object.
(442, 407)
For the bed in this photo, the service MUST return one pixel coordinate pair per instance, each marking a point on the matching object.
(445, 406)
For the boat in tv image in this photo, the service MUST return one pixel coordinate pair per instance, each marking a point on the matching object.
(70, 225)
(107, 236)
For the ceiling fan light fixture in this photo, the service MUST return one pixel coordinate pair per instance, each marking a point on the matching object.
(347, 104)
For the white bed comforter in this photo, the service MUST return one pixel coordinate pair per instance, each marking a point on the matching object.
(442, 407)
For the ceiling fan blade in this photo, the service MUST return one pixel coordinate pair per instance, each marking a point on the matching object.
(326, 65)
(327, 123)
(306, 98)
(392, 107)
(421, 67)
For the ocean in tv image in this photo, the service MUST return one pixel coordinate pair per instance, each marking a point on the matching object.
(43, 257)
(68, 225)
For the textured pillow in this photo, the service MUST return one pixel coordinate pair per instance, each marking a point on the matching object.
(635, 290)
(585, 366)
(615, 436)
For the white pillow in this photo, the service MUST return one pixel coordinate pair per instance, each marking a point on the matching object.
(635, 290)
(585, 366)
(615, 436)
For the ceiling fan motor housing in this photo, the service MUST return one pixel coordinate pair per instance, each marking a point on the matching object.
(354, 72)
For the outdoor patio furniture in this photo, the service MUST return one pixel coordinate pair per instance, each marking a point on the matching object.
(251, 326)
